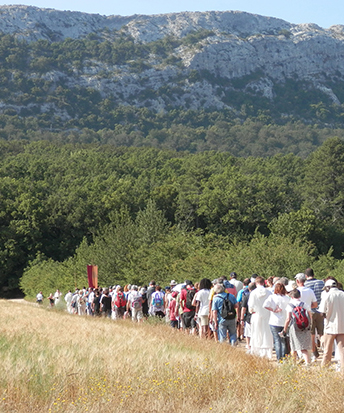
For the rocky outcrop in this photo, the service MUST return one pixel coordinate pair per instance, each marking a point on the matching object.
(239, 45)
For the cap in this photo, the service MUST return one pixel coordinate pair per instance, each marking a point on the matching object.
(233, 274)
(300, 276)
(174, 294)
(173, 282)
(330, 283)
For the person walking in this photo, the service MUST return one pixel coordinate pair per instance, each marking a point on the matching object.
(332, 307)
(224, 325)
(317, 322)
(261, 337)
(277, 303)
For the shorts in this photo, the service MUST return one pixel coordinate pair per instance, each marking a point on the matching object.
(188, 319)
(120, 312)
(317, 323)
(204, 320)
(247, 330)
(136, 314)
(174, 323)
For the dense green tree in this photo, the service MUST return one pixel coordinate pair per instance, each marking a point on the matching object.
(324, 181)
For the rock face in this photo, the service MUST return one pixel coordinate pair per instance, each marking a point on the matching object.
(239, 45)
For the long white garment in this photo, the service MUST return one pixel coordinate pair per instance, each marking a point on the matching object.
(68, 299)
(261, 337)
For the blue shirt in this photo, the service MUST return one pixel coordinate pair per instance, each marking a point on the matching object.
(316, 286)
(217, 304)
(240, 293)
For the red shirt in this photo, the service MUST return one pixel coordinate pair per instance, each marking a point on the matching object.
(183, 298)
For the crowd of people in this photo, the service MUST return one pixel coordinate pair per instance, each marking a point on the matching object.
(294, 317)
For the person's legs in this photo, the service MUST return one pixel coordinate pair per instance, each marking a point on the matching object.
(328, 346)
(222, 332)
(306, 356)
(204, 319)
(247, 333)
(317, 325)
(340, 344)
(232, 331)
(280, 352)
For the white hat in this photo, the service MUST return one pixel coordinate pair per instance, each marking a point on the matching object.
(291, 286)
(300, 276)
(173, 282)
(330, 283)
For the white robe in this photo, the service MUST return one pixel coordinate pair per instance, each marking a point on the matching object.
(261, 336)
(68, 299)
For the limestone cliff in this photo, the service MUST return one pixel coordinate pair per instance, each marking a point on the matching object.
(262, 51)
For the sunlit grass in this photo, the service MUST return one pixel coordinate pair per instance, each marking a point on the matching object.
(54, 362)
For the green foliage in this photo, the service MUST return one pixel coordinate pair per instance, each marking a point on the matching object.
(196, 36)
(147, 213)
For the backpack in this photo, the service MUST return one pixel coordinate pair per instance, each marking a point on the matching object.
(189, 298)
(227, 310)
(245, 292)
(137, 302)
(120, 300)
(157, 300)
(299, 314)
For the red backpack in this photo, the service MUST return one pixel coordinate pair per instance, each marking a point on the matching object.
(300, 316)
(120, 300)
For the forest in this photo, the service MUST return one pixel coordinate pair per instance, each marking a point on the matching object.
(144, 213)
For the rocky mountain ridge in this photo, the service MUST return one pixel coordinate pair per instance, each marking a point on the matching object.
(261, 51)
(34, 23)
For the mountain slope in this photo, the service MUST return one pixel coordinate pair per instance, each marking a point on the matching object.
(72, 70)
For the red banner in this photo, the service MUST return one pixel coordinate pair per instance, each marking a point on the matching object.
(92, 275)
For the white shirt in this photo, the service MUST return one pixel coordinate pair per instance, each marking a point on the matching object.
(203, 297)
(57, 296)
(237, 284)
(295, 302)
(333, 306)
(274, 301)
(68, 297)
(90, 297)
(307, 296)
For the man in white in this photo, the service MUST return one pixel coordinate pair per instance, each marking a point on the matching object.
(89, 301)
(39, 298)
(307, 294)
(237, 283)
(57, 296)
(68, 300)
(261, 336)
(332, 306)
(135, 304)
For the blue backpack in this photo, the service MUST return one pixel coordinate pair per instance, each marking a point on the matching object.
(158, 300)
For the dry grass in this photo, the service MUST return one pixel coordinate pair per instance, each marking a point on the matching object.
(52, 361)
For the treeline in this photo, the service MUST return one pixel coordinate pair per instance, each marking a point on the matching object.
(142, 213)
(178, 130)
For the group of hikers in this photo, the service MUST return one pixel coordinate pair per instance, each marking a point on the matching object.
(294, 317)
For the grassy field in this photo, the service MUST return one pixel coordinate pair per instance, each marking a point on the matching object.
(55, 362)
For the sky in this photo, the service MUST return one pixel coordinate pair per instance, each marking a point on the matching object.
(324, 13)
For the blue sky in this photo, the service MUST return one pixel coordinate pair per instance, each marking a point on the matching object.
(325, 13)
